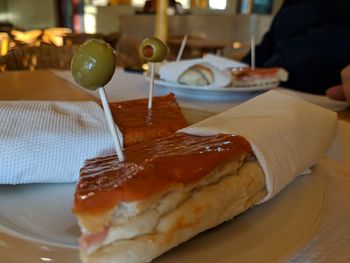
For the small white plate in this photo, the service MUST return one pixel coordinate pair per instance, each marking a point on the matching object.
(36, 225)
(213, 93)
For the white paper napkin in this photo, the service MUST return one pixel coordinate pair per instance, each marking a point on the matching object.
(288, 135)
(223, 63)
(48, 142)
(172, 71)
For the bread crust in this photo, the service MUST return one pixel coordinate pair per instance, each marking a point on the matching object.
(197, 75)
(205, 208)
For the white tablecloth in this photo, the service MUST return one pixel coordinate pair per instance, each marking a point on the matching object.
(332, 241)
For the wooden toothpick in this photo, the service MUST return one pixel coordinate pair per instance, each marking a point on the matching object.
(112, 126)
(182, 48)
(252, 52)
(151, 85)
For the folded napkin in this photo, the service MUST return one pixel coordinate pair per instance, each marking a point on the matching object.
(48, 142)
(222, 63)
(171, 71)
(287, 134)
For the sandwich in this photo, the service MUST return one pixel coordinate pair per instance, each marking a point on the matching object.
(197, 75)
(247, 77)
(165, 192)
(138, 123)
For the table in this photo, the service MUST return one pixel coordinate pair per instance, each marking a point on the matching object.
(332, 241)
(59, 85)
(38, 85)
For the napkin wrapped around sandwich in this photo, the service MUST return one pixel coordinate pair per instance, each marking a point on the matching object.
(204, 72)
(266, 142)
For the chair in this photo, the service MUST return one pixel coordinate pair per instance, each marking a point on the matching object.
(112, 39)
(128, 54)
(5, 27)
(37, 57)
(73, 39)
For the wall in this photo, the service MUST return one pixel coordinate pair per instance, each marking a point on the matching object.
(219, 27)
(30, 14)
(225, 29)
(105, 19)
(3, 11)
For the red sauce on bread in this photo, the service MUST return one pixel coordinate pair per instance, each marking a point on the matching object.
(151, 167)
(139, 124)
(257, 73)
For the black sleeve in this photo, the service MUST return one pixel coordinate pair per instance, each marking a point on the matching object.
(314, 60)
(311, 41)
(264, 50)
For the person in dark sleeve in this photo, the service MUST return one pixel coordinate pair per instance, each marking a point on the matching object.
(311, 40)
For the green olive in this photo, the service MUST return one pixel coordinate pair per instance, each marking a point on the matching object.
(153, 50)
(93, 64)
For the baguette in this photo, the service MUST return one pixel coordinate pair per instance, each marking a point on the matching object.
(132, 212)
(197, 75)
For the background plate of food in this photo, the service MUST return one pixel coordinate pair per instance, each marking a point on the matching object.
(204, 80)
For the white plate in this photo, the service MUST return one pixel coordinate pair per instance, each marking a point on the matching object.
(213, 93)
(37, 226)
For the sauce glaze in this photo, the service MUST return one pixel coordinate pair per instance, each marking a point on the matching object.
(138, 123)
(257, 73)
(151, 167)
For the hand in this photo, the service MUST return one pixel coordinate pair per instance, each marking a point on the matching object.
(336, 93)
(341, 92)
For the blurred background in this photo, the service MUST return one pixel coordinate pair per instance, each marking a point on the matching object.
(45, 33)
